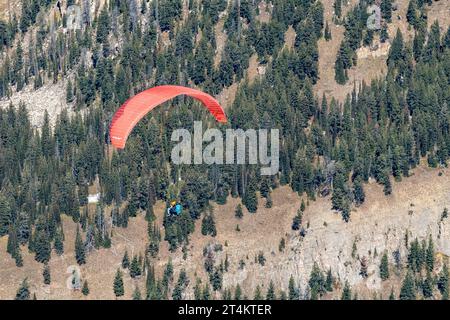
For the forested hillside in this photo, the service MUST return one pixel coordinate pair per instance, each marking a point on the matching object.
(381, 132)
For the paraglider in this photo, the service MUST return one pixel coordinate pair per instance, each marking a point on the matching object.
(175, 209)
(134, 109)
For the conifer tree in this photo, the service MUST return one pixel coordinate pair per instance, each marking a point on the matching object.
(384, 267)
(329, 281)
(118, 284)
(429, 259)
(257, 295)
(442, 282)
(346, 292)
(125, 260)
(23, 293)
(293, 290)
(238, 212)
(270, 291)
(85, 288)
(135, 268)
(391, 295)
(80, 253)
(238, 292)
(46, 275)
(137, 294)
(408, 289)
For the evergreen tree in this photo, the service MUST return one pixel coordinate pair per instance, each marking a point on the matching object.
(293, 290)
(257, 295)
(346, 292)
(329, 281)
(23, 293)
(316, 283)
(80, 253)
(137, 294)
(5, 215)
(384, 267)
(429, 259)
(391, 295)
(408, 290)
(46, 275)
(386, 10)
(270, 292)
(135, 267)
(118, 284)
(238, 292)
(384, 35)
(442, 282)
(337, 8)
(427, 286)
(125, 260)
(42, 246)
(358, 191)
(85, 289)
(238, 212)
(59, 243)
(297, 221)
(327, 32)
(250, 200)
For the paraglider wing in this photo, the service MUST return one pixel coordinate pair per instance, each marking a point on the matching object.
(134, 109)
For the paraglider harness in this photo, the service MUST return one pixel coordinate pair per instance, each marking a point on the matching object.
(175, 209)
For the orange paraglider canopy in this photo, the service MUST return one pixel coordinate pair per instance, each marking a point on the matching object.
(135, 108)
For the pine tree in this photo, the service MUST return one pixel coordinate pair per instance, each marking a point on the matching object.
(358, 191)
(118, 284)
(408, 290)
(429, 259)
(411, 14)
(198, 290)
(384, 35)
(442, 282)
(250, 200)
(23, 293)
(297, 221)
(392, 296)
(384, 267)
(427, 286)
(59, 243)
(137, 294)
(293, 290)
(206, 292)
(85, 289)
(316, 283)
(329, 281)
(270, 292)
(5, 215)
(46, 275)
(327, 32)
(80, 253)
(258, 295)
(135, 268)
(69, 92)
(238, 292)
(42, 246)
(238, 212)
(216, 280)
(386, 10)
(125, 260)
(337, 8)
(346, 292)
